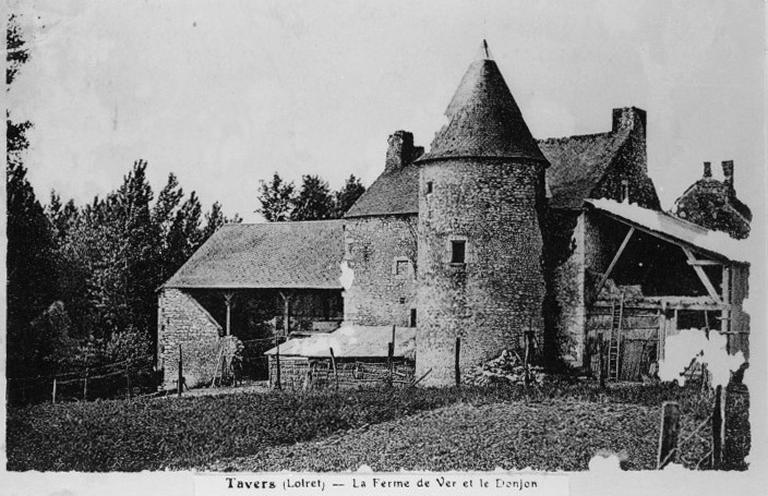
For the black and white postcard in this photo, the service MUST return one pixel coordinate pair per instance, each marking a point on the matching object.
(346, 247)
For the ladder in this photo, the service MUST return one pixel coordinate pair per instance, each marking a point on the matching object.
(614, 339)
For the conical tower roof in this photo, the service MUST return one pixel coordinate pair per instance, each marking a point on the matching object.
(483, 119)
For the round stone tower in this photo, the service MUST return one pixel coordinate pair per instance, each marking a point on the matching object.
(481, 191)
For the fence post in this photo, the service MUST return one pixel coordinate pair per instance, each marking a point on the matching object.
(53, 392)
(718, 424)
(335, 373)
(180, 385)
(527, 357)
(278, 386)
(85, 385)
(670, 428)
(600, 364)
(457, 370)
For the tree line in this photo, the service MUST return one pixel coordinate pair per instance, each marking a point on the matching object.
(82, 279)
(314, 200)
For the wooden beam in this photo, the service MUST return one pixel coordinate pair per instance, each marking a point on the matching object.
(614, 261)
(228, 301)
(661, 235)
(704, 262)
(725, 321)
(286, 311)
(703, 276)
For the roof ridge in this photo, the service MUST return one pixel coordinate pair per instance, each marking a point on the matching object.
(280, 222)
(554, 139)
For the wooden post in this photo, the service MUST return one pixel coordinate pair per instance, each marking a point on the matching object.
(527, 357)
(228, 301)
(286, 312)
(278, 385)
(718, 428)
(53, 392)
(600, 360)
(85, 385)
(335, 372)
(670, 429)
(457, 369)
(180, 384)
(725, 321)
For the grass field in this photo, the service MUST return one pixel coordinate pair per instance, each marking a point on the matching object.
(557, 425)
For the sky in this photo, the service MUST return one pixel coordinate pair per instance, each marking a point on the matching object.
(223, 94)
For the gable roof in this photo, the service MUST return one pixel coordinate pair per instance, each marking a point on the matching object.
(392, 193)
(271, 255)
(578, 163)
(352, 341)
(662, 225)
(483, 120)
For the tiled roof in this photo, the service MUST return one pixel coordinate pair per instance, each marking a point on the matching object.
(352, 341)
(395, 192)
(483, 120)
(713, 242)
(271, 255)
(578, 163)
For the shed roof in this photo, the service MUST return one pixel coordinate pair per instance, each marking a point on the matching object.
(663, 225)
(352, 341)
(578, 163)
(393, 192)
(271, 255)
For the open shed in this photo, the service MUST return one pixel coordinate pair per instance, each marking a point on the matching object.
(649, 275)
(258, 282)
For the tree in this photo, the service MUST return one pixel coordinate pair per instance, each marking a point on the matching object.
(214, 219)
(276, 198)
(31, 281)
(17, 53)
(185, 235)
(348, 195)
(314, 200)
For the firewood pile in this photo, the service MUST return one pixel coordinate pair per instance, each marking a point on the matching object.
(508, 367)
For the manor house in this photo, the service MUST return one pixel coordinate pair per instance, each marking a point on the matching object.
(491, 240)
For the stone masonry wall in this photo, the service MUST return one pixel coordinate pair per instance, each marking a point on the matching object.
(383, 291)
(183, 321)
(495, 296)
(567, 286)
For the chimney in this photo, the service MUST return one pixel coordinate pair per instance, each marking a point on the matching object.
(628, 118)
(728, 172)
(400, 151)
(707, 170)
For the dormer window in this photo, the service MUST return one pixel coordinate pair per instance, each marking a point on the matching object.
(624, 190)
(430, 186)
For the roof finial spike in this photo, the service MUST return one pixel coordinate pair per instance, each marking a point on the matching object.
(485, 52)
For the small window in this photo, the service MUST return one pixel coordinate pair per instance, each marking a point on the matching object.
(401, 267)
(413, 317)
(624, 190)
(430, 186)
(458, 250)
